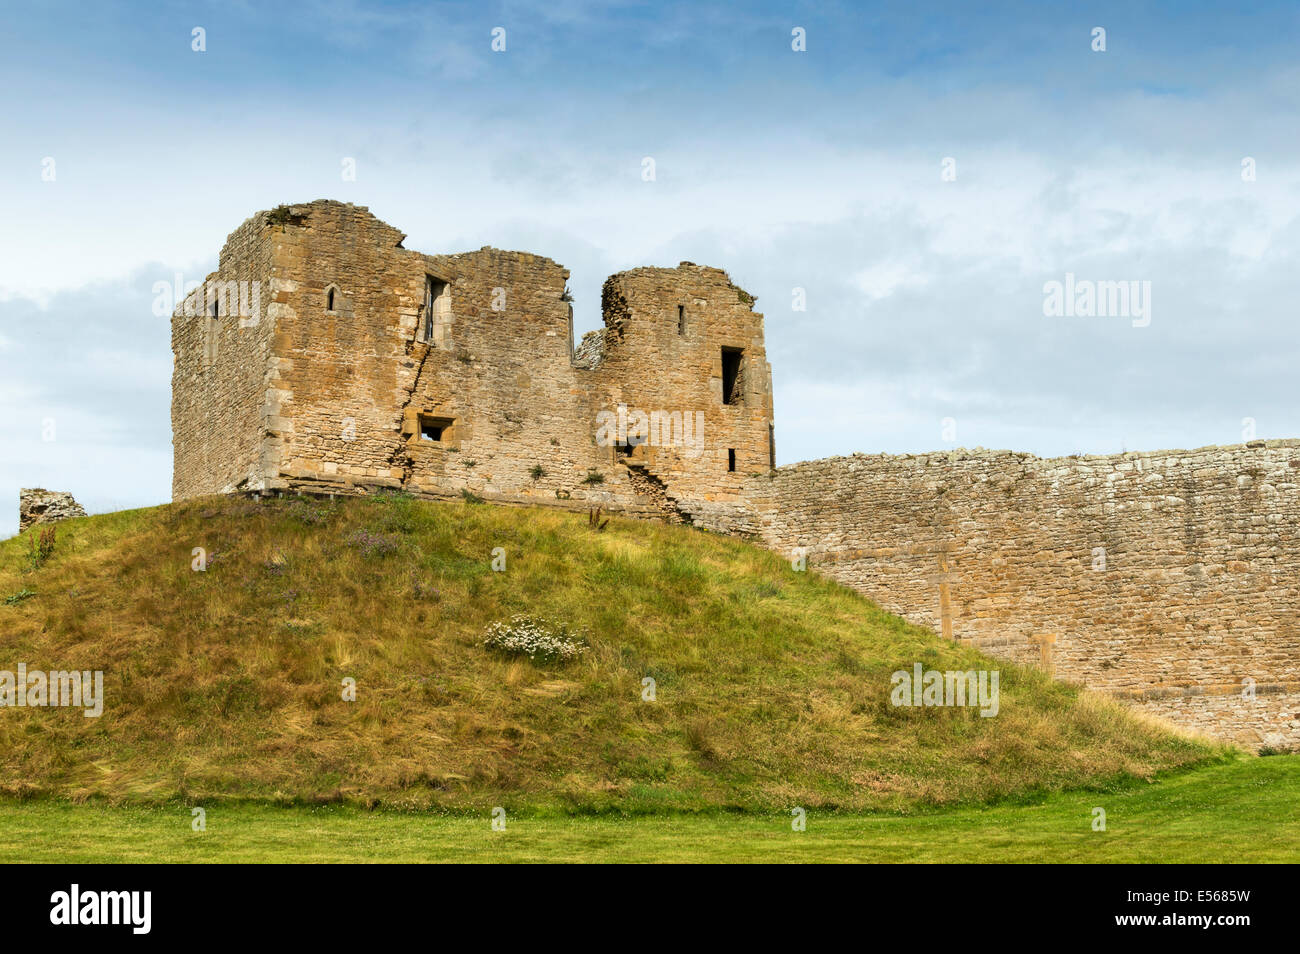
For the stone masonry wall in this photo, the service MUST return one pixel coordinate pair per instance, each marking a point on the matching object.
(1169, 578)
(221, 370)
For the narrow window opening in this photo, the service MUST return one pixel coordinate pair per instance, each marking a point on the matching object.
(732, 376)
(731, 459)
(681, 319)
(426, 333)
(329, 300)
(437, 312)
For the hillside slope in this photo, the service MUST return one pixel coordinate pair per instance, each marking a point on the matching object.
(772, 687)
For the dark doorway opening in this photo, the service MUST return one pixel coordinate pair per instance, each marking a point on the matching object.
(732, 376)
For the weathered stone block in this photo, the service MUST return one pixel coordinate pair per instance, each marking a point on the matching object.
(37, 505)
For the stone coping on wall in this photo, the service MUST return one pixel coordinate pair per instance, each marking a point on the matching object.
(984, 453)
(1230, 689)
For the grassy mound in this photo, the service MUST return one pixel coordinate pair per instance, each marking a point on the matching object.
(772, 688)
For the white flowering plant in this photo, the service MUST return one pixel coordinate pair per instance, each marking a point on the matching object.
(535, 638)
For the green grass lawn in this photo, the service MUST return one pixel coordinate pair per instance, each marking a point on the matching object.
(1244, 811)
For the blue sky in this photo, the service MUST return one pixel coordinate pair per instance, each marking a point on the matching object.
(818, 170)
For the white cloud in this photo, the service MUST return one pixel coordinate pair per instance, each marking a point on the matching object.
(883, 279)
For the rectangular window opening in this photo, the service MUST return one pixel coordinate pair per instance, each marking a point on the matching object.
(732, 375)
(731, 460)
(681, 319)
(435, 429)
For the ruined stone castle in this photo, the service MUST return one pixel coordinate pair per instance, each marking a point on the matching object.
(325, 357)
(372, 365)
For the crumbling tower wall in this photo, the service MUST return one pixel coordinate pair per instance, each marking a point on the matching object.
(668, 334)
